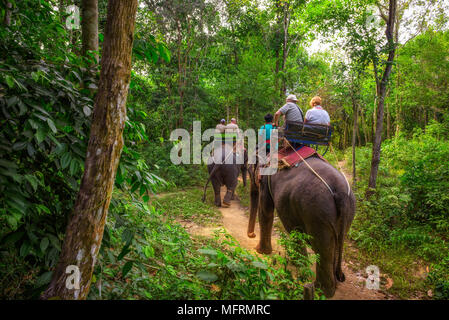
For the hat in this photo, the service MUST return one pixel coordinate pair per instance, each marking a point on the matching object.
(222, 120)
(233, 119)
(292, 97)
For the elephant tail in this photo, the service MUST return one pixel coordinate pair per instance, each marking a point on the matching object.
(207, 182)
(345, 205)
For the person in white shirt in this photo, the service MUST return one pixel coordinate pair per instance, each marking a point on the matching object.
(317, 115)
(220, 128)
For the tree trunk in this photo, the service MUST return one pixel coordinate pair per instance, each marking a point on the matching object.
(374, 118)
(381, 97)
(365, 132)
(398, 104)
(286, 23)
(354, 133)
(85, 228)
(89, 27)
(388, 122)
(8, 13)
(180, 75)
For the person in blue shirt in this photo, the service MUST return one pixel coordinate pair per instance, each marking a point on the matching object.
(267, 127)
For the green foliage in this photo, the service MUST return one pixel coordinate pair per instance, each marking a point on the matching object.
(187, 205)
(145, 254)
(411, 216)
(46, 101)
(237, 274)
(295, 245)
(157, 155)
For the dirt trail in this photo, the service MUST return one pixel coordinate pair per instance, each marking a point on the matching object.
(235, 221)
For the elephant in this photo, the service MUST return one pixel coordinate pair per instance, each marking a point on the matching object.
(224, 167)
(304, 203)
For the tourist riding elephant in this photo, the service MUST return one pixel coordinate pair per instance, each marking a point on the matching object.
(224, 167)
(304, 203)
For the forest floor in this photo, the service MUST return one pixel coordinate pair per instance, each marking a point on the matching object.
(203, 220)
(235, 221)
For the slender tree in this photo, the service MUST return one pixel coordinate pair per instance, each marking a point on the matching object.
(381, 93)
(89, 27)
(86, 225)
(8, 13)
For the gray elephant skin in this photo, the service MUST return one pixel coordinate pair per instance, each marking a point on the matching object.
(224, 167)
(304, 203)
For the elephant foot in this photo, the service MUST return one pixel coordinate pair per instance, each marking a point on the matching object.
(233, 197)
(263, 250)
(328, 292)
(340, 276)
(228, 197)
(226, 204)
(251, 235)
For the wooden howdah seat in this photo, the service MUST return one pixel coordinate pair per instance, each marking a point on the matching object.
(306, 133)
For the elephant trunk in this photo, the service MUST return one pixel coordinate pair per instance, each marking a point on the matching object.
(252, 223)
(254, 197)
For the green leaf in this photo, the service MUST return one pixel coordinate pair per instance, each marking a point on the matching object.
(44, 279)
(148, 251)
(43, 208)
(126, 268)
(259, 265)
(143, 189)
(54, 241)
(35, 76)
(209, 252)
(11, 102)
(123, 253)
(7, 164)
(25, 249)
(40, 134)
(235, 267)
(127, 236)
(65, 160)
(207, 276)
(19, 145)
(44, 244)
(9, 81)
(32, 180)
(52, 126)
(135, 186)
(73, 167)
(13, 237)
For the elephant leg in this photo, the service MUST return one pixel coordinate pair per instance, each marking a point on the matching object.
(266, 217)
(216, 185)
(325, 246)
(228, 197)
(231, 183)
